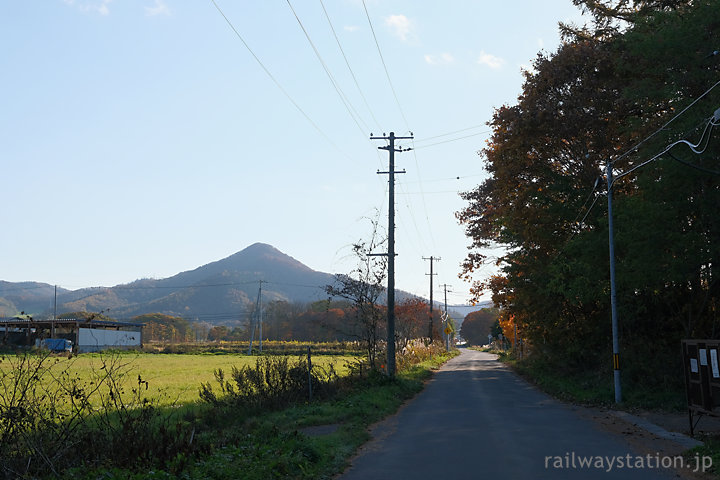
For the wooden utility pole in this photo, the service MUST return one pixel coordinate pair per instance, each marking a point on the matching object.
(391, 245)
(447, 318)
(52, 325)
(256, 323)
(432, 259)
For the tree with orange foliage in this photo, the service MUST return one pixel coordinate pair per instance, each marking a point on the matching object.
(508, 326)
(410, 318)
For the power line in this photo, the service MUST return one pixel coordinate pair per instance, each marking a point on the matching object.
(665, 125)
(402, 113)
(352, 111)
(401, 186)
(382, 59)
(430, 193)
(178, 287)
(294, 284)
(452, 133)
(588, 211)
(697, 148)
(592, 191)
(459, 177)
(422, 197)
(352, 73)
(343, 98)
(692, 165)
(693, 147)
(453, 139)
(414, 222)
(277, 83)
(575, 222)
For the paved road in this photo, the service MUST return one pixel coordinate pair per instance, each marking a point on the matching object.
(476, 419)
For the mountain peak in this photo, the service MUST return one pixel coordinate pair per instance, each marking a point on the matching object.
(261, 256)
(260, 247)
(217, 292)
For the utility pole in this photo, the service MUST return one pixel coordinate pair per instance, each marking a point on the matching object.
(253, 322)
(52, 325)
(447, 318)
(613, 296)
(391, 245)
(260, 313)
(611, 241)
(431, 293)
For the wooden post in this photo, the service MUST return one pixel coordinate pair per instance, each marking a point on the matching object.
(309, 375)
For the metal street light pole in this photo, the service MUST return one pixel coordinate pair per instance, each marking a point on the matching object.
(613, 296)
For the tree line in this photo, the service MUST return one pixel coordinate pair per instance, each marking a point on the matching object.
(634, 88)
(321, 321)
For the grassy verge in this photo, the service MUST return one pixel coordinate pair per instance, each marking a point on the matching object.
(273, 445)
(595, 388)
(711, 448)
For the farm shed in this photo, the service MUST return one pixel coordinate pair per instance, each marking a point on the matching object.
(95, 339)
(86, 335)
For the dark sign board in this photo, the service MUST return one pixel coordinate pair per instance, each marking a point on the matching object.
(701, 363)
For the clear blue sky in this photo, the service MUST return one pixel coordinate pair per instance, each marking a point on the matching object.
(142, 138)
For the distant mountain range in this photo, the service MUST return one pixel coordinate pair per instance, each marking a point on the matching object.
(463, 310)
(218, 292)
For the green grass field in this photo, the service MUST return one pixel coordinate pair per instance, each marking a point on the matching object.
(172, 378)
(221, 437)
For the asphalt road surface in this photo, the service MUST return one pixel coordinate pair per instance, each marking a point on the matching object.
(476, 419)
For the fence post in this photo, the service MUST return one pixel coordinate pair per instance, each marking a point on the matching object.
(309, 375)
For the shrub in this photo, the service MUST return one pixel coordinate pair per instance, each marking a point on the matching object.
(272, 383)
(416, 352)
(51, 420)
